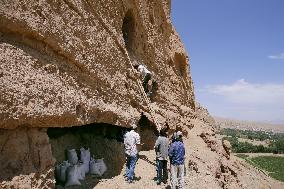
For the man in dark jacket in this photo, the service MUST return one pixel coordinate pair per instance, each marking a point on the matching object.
(176, 154)
(161, 148)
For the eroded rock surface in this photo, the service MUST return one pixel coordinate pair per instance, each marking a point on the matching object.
(65, 63)
(26, 153)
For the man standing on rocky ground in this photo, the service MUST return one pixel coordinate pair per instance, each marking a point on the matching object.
(177, 159)
(131, 140)
(161, 148)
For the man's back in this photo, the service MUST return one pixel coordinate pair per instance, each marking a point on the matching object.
(130, 140)
(176, 153)
(162, 146)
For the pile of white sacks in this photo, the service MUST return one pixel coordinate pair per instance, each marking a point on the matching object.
(73, 170)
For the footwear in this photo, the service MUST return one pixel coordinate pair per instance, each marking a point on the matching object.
(158, 182)
(130, 181)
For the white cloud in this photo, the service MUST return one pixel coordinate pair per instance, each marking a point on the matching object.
(243, 92)
(244, 100)
(278, 56)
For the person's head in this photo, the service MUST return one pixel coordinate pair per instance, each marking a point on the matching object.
(163, 133)
(174, 136)
(133, 125)
(179, 136)
(136, 66)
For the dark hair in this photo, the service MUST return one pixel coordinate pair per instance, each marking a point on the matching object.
(179, 138)
(163, 132)
(135, 66)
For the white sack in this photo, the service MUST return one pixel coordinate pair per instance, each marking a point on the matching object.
(72, 156)
(81, 171)
(98, 167)
(63, 168)
(103, 167)
(94, 167)
(86, 167)
(57, 172)
(85, 155)
(72, 176)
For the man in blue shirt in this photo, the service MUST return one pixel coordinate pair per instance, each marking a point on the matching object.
(176, 155)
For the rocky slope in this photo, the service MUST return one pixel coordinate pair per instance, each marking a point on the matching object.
(68, 63)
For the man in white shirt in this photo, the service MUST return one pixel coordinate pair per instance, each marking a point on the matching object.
(146, 74)
(131, 140)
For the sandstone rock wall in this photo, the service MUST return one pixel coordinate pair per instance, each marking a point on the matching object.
(26, 154)
(63, 62)
(204, 115)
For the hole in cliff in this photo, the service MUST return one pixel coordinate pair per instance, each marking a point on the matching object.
(128, 29)
(151, 16)
(148, 133)
(181, 65)
(103, 140)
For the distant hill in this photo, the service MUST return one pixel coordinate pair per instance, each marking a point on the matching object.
(248, 125)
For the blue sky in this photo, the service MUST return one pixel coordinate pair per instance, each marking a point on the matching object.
(236, 50)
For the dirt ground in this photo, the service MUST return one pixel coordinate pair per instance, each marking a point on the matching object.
(145, 173)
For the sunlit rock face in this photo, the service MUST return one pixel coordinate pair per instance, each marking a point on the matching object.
(69, 63)
(65, 63)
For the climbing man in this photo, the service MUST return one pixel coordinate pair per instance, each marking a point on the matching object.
(146, 74)
(131, 140)
(177, 157)
(161, 148)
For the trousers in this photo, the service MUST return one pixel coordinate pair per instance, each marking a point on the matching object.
(177, 176)
(130, 166)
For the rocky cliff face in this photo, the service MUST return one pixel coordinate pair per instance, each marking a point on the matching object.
(63, 63)
(68, 63)
(203, 114)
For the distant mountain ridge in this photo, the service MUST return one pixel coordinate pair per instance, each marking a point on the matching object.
(248, 125)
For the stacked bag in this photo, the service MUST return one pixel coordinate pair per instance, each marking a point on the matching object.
(97, 166)
(72, 171)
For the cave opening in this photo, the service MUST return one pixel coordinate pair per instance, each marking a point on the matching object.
(103, 140)
(181, 64)
(128, 30)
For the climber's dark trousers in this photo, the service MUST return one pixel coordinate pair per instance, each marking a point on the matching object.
(145, 82)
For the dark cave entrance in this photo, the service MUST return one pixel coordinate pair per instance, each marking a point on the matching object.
(148, 133)
(181, 64)
(128, 30)
(103, 140)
